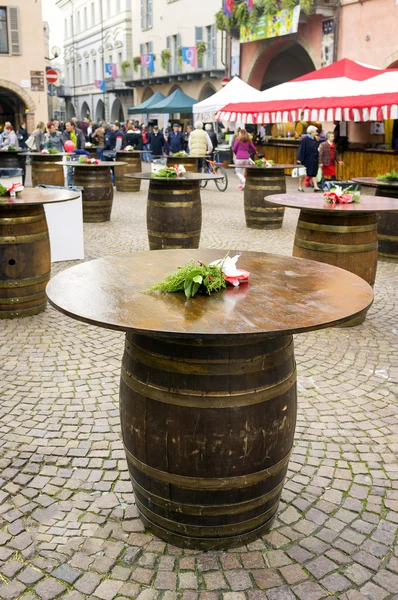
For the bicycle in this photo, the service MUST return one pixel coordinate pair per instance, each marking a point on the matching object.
(214, 167)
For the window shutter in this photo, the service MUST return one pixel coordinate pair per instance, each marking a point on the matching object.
(149, 18)
(213, 47)
(13, 18)
(142, 15)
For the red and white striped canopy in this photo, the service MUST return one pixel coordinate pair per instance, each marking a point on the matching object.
(343, 91)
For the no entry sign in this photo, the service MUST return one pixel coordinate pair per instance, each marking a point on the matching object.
(51, 76)
(224, 81)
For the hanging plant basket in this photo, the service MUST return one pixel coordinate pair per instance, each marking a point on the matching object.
(201, 49)
(124, 66)
(136, 62)
(165, 58)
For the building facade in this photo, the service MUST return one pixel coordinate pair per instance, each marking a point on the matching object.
(166, 26)
(23, 90)
(96, 32)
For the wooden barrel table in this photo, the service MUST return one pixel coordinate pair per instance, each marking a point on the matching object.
(46, 169)
(25, 260)
(13, 160)
(208, 396)
(92, 150)
(174, 210)
(190, 163)
(343, 235)
(387, 222)
(132, 165)
(96, 180)
(260, 183)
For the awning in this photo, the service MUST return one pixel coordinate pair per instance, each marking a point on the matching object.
(141, 108)
(177, 102)
(235, 91)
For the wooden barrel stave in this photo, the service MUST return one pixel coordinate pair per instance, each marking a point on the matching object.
(174, 214)
(98, 192)
(25, 261)
(259, 213)
(190, 163)
(125, 184)
(387, 226)
(45, 172)
(342, 240)
(208, 431)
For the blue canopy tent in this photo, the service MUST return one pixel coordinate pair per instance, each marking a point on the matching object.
(177, 102)
(142, 108)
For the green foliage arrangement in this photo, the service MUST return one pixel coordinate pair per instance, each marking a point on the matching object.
(125, 65)
(53, 151)
(165, 173)
(201, 49)
(3, 190)
(181, 153)
(389, 177)
(192, 278)
(263, 163)
(13, 149)
(165, 58)
(179, 56)
(136, 62)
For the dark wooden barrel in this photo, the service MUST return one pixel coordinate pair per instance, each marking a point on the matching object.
(25, 261)
(92, 151)
(174, 214)
(13, 160)
(190, 163)
(345, 241)
(259, 213)
(133, 160)
(98, 192)
(208, 429)
(44, 171)
(387, 225)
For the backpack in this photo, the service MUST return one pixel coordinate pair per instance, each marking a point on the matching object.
(31, 142)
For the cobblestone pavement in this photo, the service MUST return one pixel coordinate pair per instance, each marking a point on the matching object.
(68, 524)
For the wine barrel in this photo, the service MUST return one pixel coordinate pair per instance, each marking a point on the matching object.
(282, 130)
(190, 163)
(44, 171)
(387, 225)
(92, 150)
(208, 451)
(133, 160)
(13, 160)
(259, 213)
(98, 192)
(174, 214)
(25, 261)
(345, 241)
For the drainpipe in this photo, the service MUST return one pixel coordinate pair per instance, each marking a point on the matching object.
(74, 63)
(336, 32)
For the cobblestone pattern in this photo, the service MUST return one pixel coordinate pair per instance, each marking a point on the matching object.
(68, 524)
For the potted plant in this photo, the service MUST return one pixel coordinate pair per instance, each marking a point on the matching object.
(201, 49)
(124, 66)
(165, 58)
(136, 62)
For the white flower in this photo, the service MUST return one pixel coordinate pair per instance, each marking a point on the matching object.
(228, 265)
(181, 169)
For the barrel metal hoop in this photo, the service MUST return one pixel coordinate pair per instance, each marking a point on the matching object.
(172, 204)
(24, 239)
(206, 510)
(335, 248)
(186, 366)
(390, 238)
(17, 283)
(23, 312)
(337, 228)
(205, 483)
(19, 220)
(266, 209)
(22, 299)
(386, 255)
(206, 530)
(167, 192)
(161, 234)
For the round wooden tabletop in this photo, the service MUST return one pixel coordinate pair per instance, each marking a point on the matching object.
(102, 163)
(33, 196)
(284, 295)
(185, 177)
(131, 151)
(19, 151)
(318, 202)
(373, 182)
(250, 166)
(46, 154)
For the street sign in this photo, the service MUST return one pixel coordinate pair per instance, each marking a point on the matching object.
(224, 81)
(37, 81)
(51, 76)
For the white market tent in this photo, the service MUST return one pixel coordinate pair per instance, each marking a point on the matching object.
(236, 90)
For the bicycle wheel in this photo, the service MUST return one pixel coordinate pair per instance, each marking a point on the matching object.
(221, 184)
(204, 171)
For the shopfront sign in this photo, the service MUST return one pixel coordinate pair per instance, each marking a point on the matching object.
(284, 22)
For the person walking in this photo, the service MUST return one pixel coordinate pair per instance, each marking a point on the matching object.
(308, 156)
(98, 138)
(242, 149)
(39, 137)
(54, 138)
(23, 135)
(134, 137)
(146, 157)
(10, 138)
(212, 135)
(175, 139)
(328, 157)
(156, 141)
(188, 132)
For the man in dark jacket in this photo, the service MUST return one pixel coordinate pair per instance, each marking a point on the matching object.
(75, 135)
(156, 141)
(175, 139)
(115, 138)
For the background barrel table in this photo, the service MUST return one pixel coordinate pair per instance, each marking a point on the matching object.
(25, 260)
(132, 165)
(92, 150)
(46, 169)
(174, 210)
(190, 163)
(260, 183)
(96, 179)
(387, 222)
(208, 387)
(13, 160)
(344, 235)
